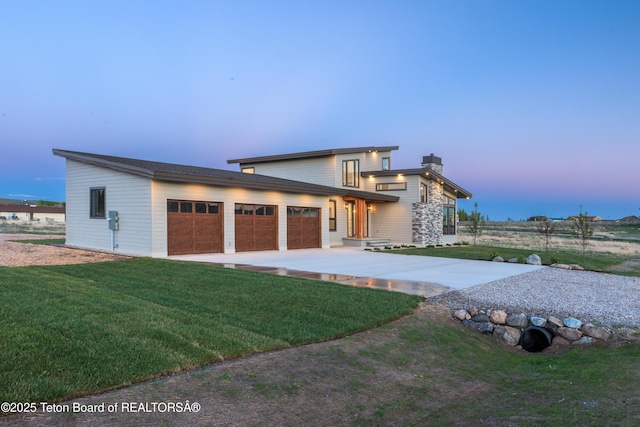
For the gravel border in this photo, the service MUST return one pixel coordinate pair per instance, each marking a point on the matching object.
(599, 298)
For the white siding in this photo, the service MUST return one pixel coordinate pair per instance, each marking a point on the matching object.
(130, 195)
(230, 196)
(393, 220)
(316, 171)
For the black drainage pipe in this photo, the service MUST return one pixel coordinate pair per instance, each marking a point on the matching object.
(535, 339)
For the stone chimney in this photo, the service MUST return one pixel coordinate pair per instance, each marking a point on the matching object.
(432, 162)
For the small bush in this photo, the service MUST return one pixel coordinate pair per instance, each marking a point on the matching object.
(465, 243)
(554, 260)
(521, 259)
(493, 254)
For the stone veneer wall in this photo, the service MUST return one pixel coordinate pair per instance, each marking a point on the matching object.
(427, 217)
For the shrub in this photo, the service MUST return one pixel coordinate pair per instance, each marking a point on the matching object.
(493, 254)
(521, 259)
(554, 260)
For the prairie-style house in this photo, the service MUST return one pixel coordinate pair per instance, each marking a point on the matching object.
(313, 199)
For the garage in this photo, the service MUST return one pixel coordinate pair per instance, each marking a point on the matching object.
(256, 227)
(303, 227)
(194, 227)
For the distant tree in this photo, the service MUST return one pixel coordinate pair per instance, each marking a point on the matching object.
(546, 228)
(476, 223)
(462, 215)
(581, 229)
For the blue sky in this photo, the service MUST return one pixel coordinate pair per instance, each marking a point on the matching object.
(534, 106)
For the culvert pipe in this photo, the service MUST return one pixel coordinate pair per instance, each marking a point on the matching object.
(535, 338)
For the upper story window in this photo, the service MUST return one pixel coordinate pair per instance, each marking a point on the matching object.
(386, 163)
(249, 170)
(351, 173)
(97, 202)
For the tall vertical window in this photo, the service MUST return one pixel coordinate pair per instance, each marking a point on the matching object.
(97, 202)
(350, 173)
(424, 193)
(449, 215)
(332, 215)
(386, 163)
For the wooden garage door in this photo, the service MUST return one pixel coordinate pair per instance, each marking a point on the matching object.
(194, 227)
(256, 227)
(303, 228)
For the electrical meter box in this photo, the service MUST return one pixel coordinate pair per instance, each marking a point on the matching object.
(113, 220)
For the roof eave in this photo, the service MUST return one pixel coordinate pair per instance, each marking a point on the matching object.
(450, 186)
(90, 160)
(312, 154)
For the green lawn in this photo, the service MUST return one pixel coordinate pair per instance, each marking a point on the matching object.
(74, 329)
(42, 241)
(592, 261)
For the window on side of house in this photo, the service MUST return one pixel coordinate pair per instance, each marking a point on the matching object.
(391, 186)
(350, 173)
(249, 170)
(332, 216)
(386, 163)
(424, 193)
(449, 215)
(97, 204)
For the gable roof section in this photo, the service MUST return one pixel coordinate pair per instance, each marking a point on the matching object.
(429, 174)
(312, 154)
(194, 174)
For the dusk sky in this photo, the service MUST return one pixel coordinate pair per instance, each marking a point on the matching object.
(533, 105)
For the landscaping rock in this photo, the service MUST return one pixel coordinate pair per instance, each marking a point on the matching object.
(498, 259)
(507, 334)
(569, 333)
(461, 315)
(572, 322)
(554, 321)
(480, 317)
(596, 331)
(499, 317)
(513, 260)
(473, 311)
(533, 259)
(517, 320)
(584, 340)
(562, 266)
(482, 327)
(538, 321)
(576, 267)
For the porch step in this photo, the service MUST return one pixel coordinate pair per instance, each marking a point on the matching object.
(378, 243)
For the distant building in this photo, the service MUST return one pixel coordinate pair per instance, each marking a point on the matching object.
(32, 213)
(540, 218)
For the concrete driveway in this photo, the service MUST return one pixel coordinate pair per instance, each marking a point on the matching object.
(412, 274)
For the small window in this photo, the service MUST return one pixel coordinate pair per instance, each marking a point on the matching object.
(247, 209)
(214, 208)
(201, 208)
(386, 163)
(313, 212)
(238, 209)
(186, 207)
(97, 202)
(392, 186)
(424, 193)
(248, 170)
(332, 215)
(172, 206)
(260, 210)
(270, 211)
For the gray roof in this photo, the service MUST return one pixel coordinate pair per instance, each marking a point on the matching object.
(312, 154)
(429, 174)
(218, 177)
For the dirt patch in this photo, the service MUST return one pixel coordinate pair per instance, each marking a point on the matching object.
(13, 254)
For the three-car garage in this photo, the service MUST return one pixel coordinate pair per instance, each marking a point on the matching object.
(195, 227)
